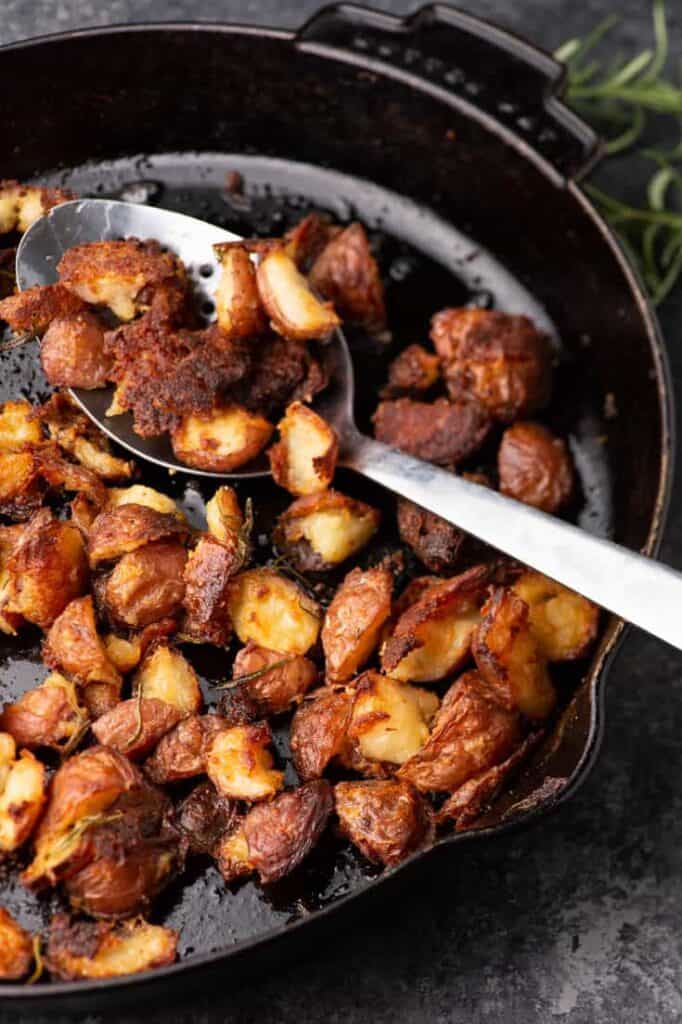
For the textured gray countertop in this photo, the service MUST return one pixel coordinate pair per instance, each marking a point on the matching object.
(578, 920)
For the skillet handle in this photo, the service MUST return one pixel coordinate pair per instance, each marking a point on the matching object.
(491, 74)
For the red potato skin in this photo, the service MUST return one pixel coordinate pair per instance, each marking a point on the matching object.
(123, 529)
(354, 620)
(435, 542)
(318, 731)
(204, 817)
(135, 727)
(275, 691)
(208, 572)
(147, 585)
(73, 646)
(181, 754)
(281, 833)
(442, 432)
(412, 373)
(385, 818)
(72, 353)
(347, 273)
(42, 717)
(535, 467)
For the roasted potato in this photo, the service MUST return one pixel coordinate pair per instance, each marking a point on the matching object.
(19, 427)
(318, 731)
(21, 205)
(33, 310)
(22, 794)
(471, 733)
(385, 818)
(239, 764)
(509, 658)
(237, 302)
(412, 373)
(127, 527)
(535, 467)
(75, 434)
(208, 572)
(21, 487)
(204, 817)
(232, 853)
(354, 621)
(442, 432)
(16, 949)
(434, 541)
(304, 459)
(166, 675)
(432, 638)
(98, 949)
(563, 623)
(294, 311)
(236, 705)
(73, 646)
(502, 360)
(48, 716)
(147, 585)
(322, 530)
(72, 352)
(126, 653)
(222, 439)
(182, 752)
(273, 612)
(390, 720)
(225, 519)
(140, 494)
(62, 475)
(347, 273)
(135, 726)
(273, 680)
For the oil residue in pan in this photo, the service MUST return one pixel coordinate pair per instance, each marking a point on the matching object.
(428, 264)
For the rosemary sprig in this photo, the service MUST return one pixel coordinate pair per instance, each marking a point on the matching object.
(39, 967)
(248, 677)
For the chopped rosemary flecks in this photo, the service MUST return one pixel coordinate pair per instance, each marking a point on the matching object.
(39, 968)
(75, 739)
(63, 845)
(244, 535)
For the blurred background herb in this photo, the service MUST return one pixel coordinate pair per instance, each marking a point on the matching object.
(619, 96)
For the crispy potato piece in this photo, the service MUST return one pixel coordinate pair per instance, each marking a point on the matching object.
(412, 373)
(16, 949)
(182, 752)
(33, 310)
(237, 302)
(21, 205)
(318, 731)
(432, 639)
(354, 621)
(74, 646)
(221, 439)
(46, 570)
(434, 541)
(208, 572)
(304, 459)
(308, 237)
(135, 726)
(168, 676)
(127, 527)
(239, 764)
(294, 311)
(509, 658)
(75, 434)
(471, 733)
(114, 273)
(69, 476)
(232, 854)
(224, 517)
(282, 833)
(126, 653)
(236, 705)
(275, 690)
(22, 796)
(321, 530)
(390, 720)
(204, 817)
(563, 623)
(48, 716)
(140, 494)
(273, 611)
(535, 467)
(18, 426)
(504, 361)
(147, 585)
(97, 949)
(386, 819)
(72, 352)
(442, 432)
(347, 273)
(21, 489)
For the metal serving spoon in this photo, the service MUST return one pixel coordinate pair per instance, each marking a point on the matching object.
(635, 587)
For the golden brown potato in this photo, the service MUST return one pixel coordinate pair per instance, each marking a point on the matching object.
(386, 819)
(294, 311)
(73, 646)
(412, 373)
(273, 612)
(434, 541)
(509, 658)
(390, 720)
(471, 733)
(563, 623)
(146, 585)
(48, 716)
(237, 302)
(33, 310)
(22, 794)
(126, 653)
(504, 361)
(321, 530)
(16, 949)
(182, 752)
(97, 949)
(239, 764)
(46, 570)
(21, 205)
(224, 517)
(304, 459)
(354, 621)
(18, 426)
(127, 527)
(222, 439)
(135, 726)
(208, 572)
(432, 638)
(307, 238)
(77, 435)
(204, 817)
(232, 854)
(273, 689)
(535, 467)
(72, 352)
(166, 675)
(318, 731)
(236, 705)
(347, 273)
(63, 475)
(442, 432)
(140, 494)
(21, 489)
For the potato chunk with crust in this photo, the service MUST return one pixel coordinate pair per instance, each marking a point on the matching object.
(16, 949)
(72, 352)
(321, 530)
(239, 764)
(135, 726)
(535, 467)
(22, 795)
(434, 541)
(273, 611)
(126, 528)
(224, 517)
(304, 459)
(432, 638)
(204, 817)
(471, 733)
(509, 658)
(237, 302)
(48, 716)
(412, 373)
(18, 426)
(77, 435)
(222, 439)
(273, 689)
(21, 205)
(390, 720)
(74, 646)
(441, 432)
(208, 572)
(502, 360)
(21, 488)
(33, 310)
(140, 494)
(97, 949)
(294, 311)
(354, 621)
(386, 819)
(347, 273)
(563, 623)
(318, 731)
(166, 675)
(146, 585)
(182, 752)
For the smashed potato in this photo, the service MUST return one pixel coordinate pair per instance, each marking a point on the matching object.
(126, 653)
(22, 794)
(140, 494)
(72, 352)
(304, 459)
(434, 541)
(204, 817)
(135, 726)
(75, 434)
(146, 585)
(182, 752)
(442, 432)
(390, 720)
(18, 426)
(535, 467)
(347, 273)
(127, 527)
(21, 489)
(224, 517)
(16, 949)
(293, 309)
(221, 439)
(48, 716)
(273, 612)
(318, 731)
(412, 373)
(166, 675)
(273, 680)
(385, 818)
(33, 310)
(208, 572)
(563, 623)
(321, 530)
(239, 764)
(237, 302)
(21, 205)
(354, 621)
(97, 949)
(73, 646)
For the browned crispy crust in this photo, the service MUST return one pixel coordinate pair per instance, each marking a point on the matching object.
(289, 538)
(535, 467)
(208, 571)
(280, 834)
(134, 727)
(347, 273)
(126, 528)
(16, 948)
(72, 352)
(276, 690)
(282, 370)
(412, 373)
(442, 432)
(354, 621)
(21, 484)
(33, 310)
(238, 306)
(60, 474)
(46, 716)
(80, 949)
(74, 647)
(181, 754)
(146, 585)
(318, 731)
(385, 818)
(204, 816)
(145, 262)
(434, 541)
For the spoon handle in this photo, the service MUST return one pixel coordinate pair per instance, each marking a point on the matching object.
(634, 587)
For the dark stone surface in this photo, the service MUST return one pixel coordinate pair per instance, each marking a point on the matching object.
(578, 920)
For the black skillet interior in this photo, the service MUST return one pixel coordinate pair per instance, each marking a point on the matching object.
(389, 122)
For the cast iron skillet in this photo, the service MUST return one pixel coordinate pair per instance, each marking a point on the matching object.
(436, 131)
